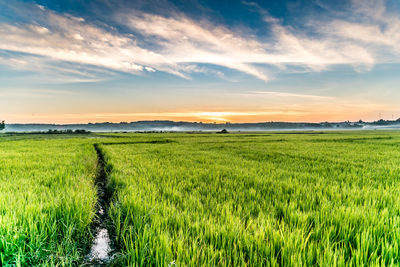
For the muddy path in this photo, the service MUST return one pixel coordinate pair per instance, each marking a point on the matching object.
(103, 246)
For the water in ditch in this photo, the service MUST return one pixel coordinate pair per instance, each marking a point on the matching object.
(102, 247)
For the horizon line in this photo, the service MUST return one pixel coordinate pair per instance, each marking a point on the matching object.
(198, 122)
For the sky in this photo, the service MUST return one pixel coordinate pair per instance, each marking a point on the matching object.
(199, 60)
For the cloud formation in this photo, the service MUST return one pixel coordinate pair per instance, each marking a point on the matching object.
(282, 94)
(376, 28)
(178, 44)
(70, 39)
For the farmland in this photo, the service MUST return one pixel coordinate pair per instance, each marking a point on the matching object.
(273, 199)
(47, 200)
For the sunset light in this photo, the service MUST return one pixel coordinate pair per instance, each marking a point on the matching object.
(70, 62)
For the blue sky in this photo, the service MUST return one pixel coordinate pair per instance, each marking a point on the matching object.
(240, 61)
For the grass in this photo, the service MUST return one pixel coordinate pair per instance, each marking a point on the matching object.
(273, 200)
(47, 201)
(270, 199)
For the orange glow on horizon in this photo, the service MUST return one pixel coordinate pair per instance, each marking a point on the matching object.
(204, 116)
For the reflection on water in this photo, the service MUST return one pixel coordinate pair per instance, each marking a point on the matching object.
(101, 246)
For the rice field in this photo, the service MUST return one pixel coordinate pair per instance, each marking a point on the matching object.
(272, 200)
(249, 199)
(47, 201)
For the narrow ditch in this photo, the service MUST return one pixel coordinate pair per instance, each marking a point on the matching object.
(103, 246)
(104, 249)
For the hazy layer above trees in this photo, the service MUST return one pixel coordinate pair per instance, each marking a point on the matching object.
(198, 126)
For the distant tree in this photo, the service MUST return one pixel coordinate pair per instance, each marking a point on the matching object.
(81, 131)
(2, 125)
(223, 131)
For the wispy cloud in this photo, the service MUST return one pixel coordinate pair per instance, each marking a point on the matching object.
(54, 71)
(33, 93)
(183, 41)
(374, 27)
(70, 39)
(285, 94)
(176, 44)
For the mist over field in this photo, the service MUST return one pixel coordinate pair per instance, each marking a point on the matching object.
(170, 126)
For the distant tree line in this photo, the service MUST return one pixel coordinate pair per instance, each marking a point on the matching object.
(77, 131)
(2, 125)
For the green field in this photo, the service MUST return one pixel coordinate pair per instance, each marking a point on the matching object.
(47, 200)
(272, 199)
